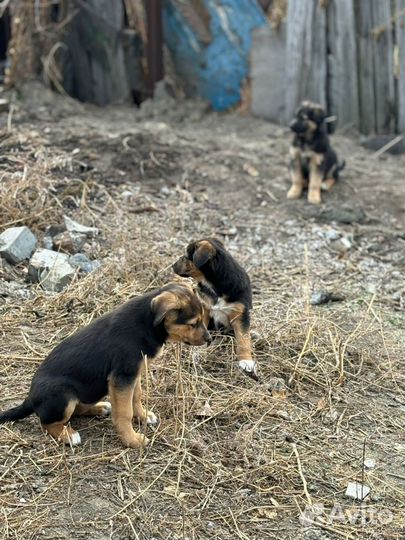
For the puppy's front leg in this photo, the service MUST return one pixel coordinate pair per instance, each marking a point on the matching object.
(121, 412)
(296, 175)
(315, 178)
(139, 410)
(240, 324)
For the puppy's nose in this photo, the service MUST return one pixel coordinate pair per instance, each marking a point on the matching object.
(293, 124)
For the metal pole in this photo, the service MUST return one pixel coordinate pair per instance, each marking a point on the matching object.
(155, 42)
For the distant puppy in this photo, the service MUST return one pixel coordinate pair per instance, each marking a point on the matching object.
(225, 286)
(313, 162)
(107, 357)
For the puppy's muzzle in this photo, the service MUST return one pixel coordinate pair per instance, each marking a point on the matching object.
(297, 126)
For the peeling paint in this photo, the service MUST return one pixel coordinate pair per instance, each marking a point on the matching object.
(215, 71)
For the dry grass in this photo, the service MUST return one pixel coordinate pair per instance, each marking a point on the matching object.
(245, 465)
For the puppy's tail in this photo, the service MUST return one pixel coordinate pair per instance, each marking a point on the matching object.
(17, 413)
(341, 166)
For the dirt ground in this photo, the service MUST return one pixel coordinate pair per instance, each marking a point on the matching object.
(231, 457)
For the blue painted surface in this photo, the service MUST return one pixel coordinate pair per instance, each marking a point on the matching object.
(214, 72)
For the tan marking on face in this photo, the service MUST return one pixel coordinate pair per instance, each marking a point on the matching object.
(186, 333)
(58, 430)
(122, 413)
(185, 267)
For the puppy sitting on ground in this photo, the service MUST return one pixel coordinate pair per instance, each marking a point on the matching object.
(313, 162)
(108, 356)
(225, 286)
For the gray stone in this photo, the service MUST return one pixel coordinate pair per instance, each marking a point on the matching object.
(324, 297)
(51, 269)
(83, 263)
(17, 244)
(69, 242)
(357, 491)
(75, 227)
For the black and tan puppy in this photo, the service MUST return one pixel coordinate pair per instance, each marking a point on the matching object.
(225, 286)
(108, 356)
(313, 162)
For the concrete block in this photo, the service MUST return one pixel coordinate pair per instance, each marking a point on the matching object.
(357, 491)
(51, 269)
(17, 244)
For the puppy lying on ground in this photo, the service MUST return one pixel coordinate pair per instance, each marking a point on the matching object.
(107, 357)
(314, 163)
(225, 286)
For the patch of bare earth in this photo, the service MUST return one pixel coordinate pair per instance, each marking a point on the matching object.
(331, 385)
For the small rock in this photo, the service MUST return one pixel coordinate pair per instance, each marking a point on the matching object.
(17, 244)
(47, 241)
(369, 463)
(343, 214)
(324, 297)
(357, 491)
(205, 412)
(69, 242)
(52, 270)
(84, 263)
(341, 245)
(75, 227)
(276, 385)
(331, 235)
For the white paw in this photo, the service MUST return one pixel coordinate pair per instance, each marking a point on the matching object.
(249, 367)
(106, 409)
(151, 418)
(75, 439)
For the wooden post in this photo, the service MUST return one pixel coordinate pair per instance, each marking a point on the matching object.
(342, 63)
(400, 82)
(306, 66)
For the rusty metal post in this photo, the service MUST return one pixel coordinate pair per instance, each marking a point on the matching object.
(155, 42)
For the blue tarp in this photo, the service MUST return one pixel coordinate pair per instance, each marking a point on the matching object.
(213, 71)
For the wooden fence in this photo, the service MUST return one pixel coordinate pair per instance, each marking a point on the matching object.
(348, 55)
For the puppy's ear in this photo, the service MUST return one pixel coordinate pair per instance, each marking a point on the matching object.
(203, 253)
(318, 115)
(162, 304)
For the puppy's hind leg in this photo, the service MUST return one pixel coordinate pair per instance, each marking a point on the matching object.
(54, 412)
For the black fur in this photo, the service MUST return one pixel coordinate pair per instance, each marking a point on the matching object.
(112, 347)
(307, 140)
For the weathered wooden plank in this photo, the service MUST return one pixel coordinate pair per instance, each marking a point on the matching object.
(267, 68)
(381, 35)
(342, 63)
(98, 73)
(400, 82)
(306, 65)
(364, 24)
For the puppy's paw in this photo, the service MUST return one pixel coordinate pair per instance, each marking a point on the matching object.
(70, 437)
(103, 408)
(151, 418)
(135, 440)
(148, 416)
(314, 197)
(294, 192)
(249, 367)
